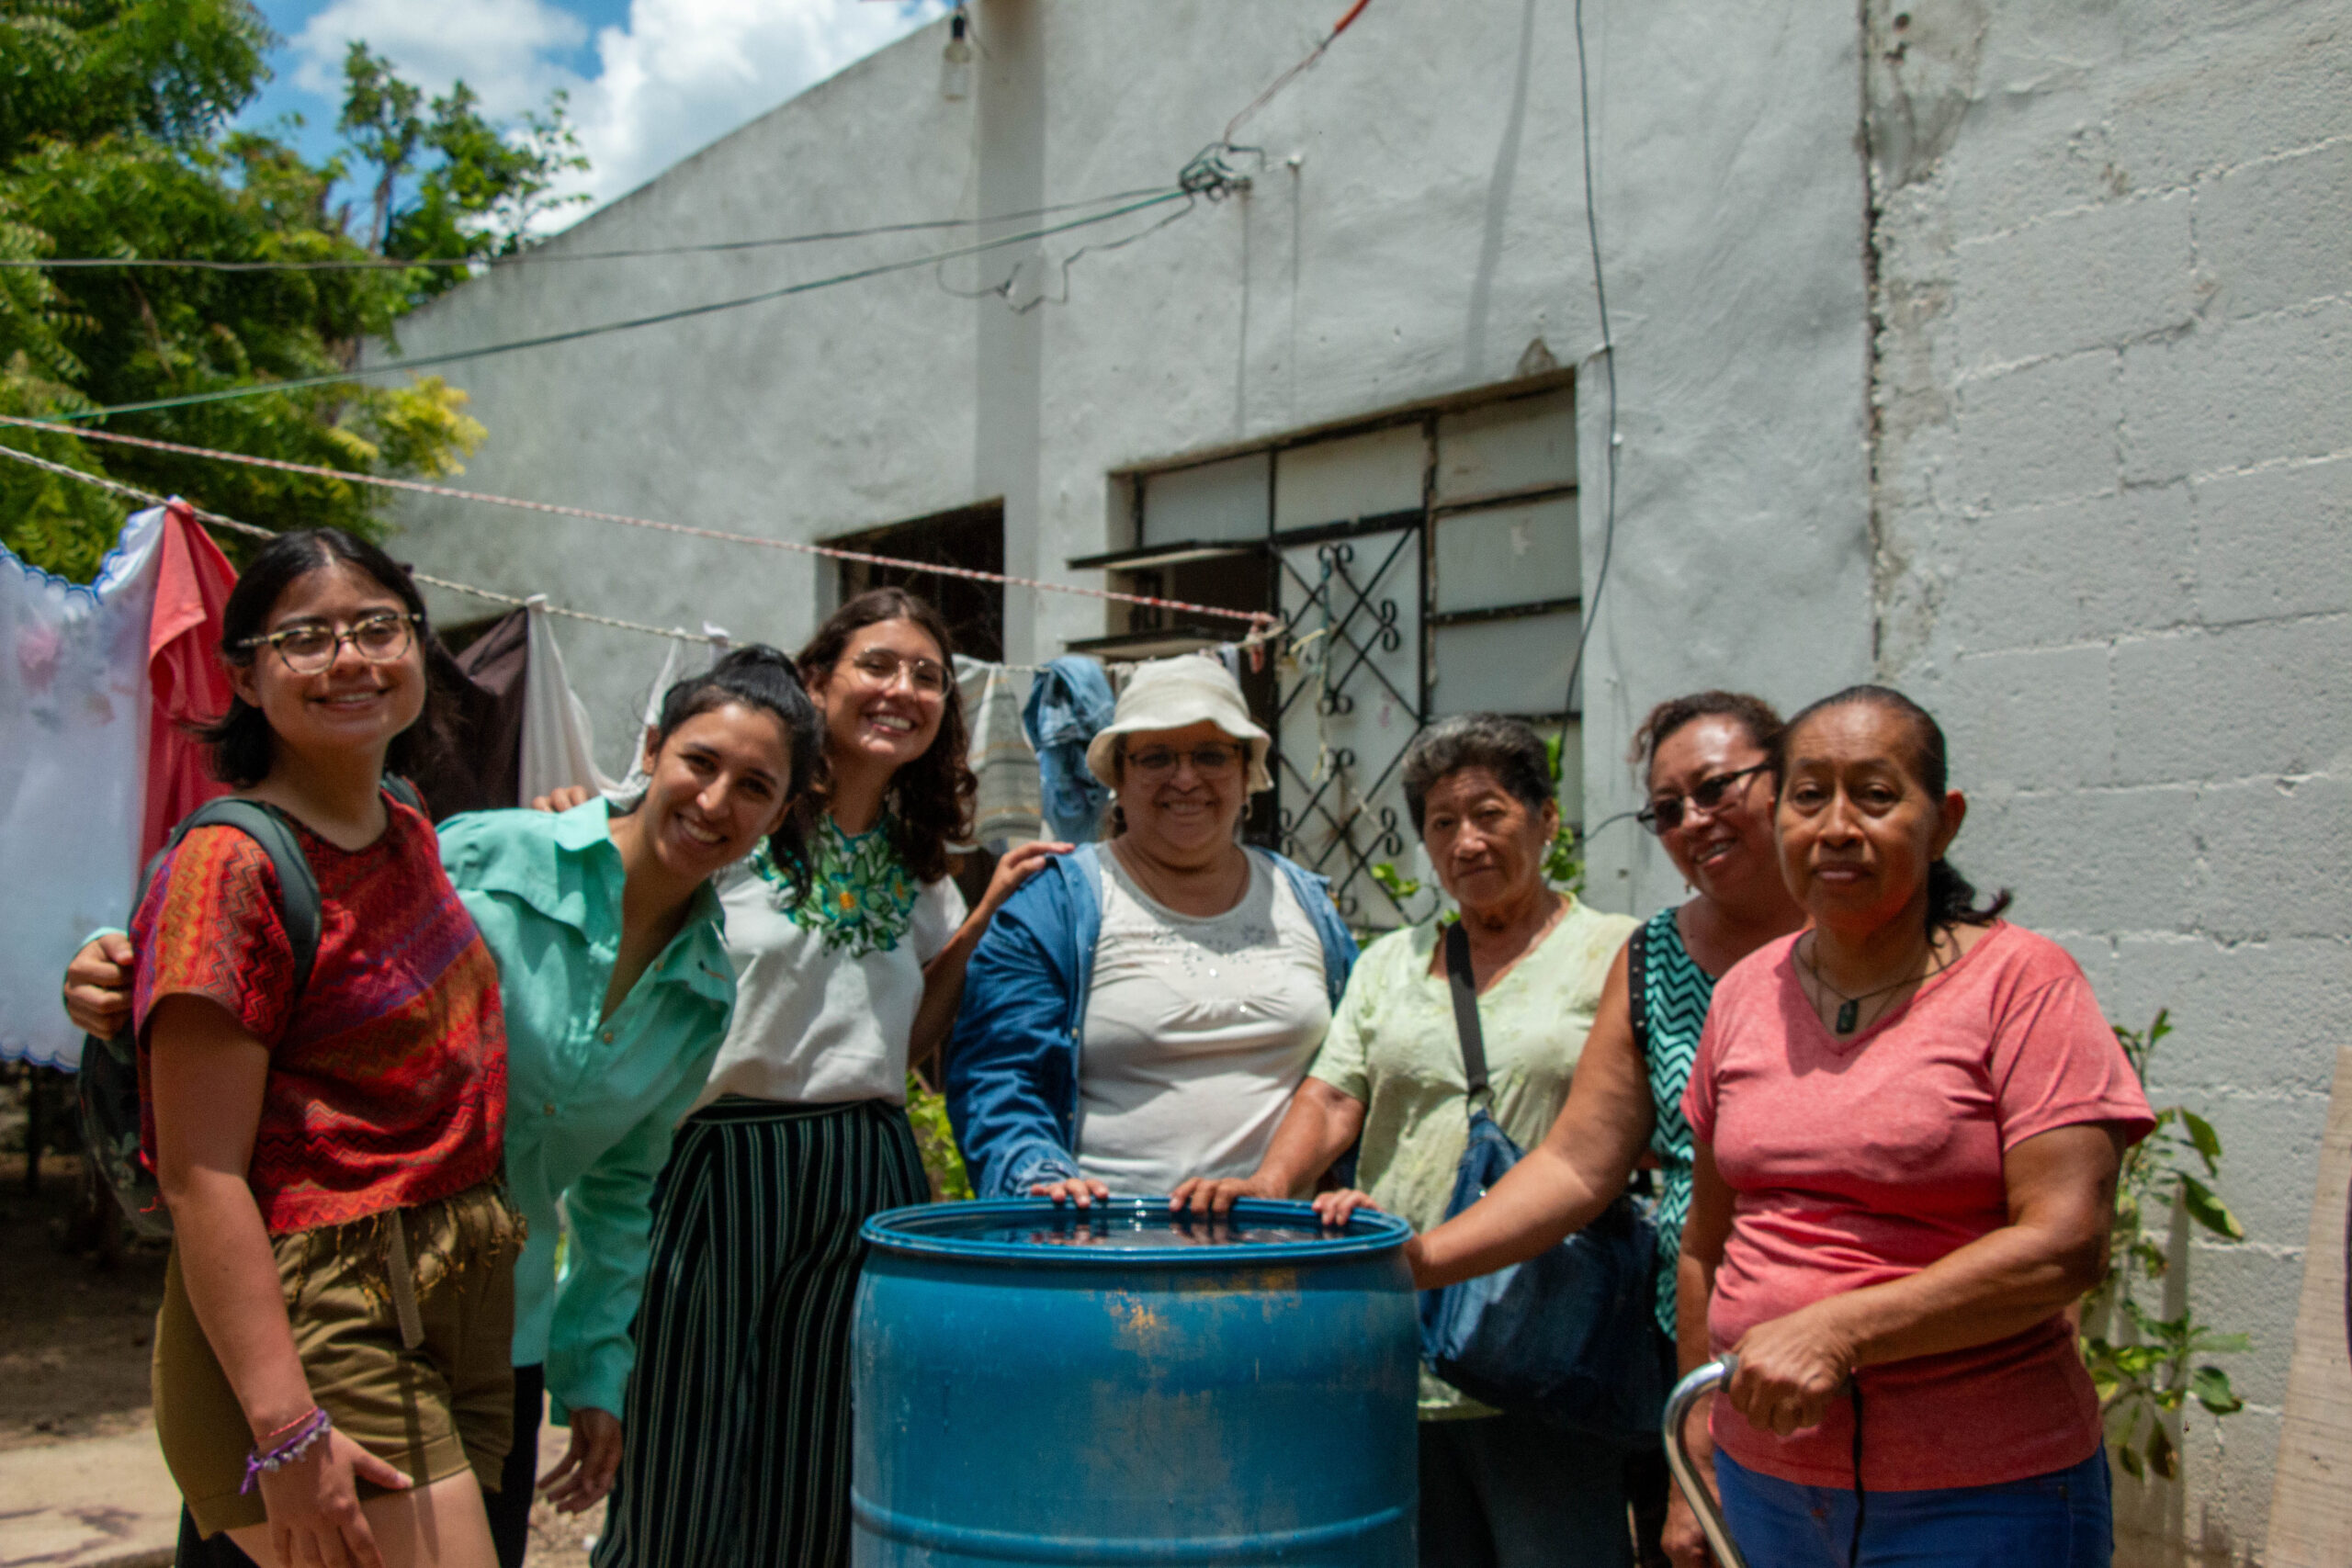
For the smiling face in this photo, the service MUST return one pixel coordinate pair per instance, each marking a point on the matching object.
(352, 707)
(1486, 843)
(1725, 853)
(1182, 815)
(881, 719)
(1857, 828)
(715, 787)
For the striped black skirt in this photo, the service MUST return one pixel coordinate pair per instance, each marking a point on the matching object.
(736, 1440)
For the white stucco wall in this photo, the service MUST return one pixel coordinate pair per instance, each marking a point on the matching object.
(2116, 480)
(1431, 231)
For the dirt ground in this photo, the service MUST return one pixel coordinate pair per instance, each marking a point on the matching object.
(76, 1330)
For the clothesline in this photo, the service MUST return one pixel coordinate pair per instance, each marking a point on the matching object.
(835, 552)
(214, 520)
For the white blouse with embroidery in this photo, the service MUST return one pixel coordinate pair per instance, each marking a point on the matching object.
(827, 988)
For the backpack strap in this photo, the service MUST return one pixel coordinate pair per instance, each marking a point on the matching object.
(1464, 986)
(400, 789)
(298, 885)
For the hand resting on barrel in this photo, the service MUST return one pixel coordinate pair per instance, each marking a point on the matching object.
(1079, 1190)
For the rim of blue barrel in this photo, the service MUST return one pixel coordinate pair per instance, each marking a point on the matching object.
(927, 1230)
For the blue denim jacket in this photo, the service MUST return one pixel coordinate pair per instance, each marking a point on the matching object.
(1068, 707)
(1013, 1060)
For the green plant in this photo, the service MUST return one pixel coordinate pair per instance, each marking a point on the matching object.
(2146, 1374)
(941, 1161)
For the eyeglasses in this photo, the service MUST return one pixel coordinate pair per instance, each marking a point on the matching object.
(882, 667)
(1207, 761)
(312, 650)
(1663, 814)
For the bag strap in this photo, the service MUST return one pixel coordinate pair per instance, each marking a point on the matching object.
(1464, 988)
(400, 789)
(1637, 990)
(298, 885)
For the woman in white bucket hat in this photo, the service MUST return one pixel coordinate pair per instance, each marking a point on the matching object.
(1141, 1010)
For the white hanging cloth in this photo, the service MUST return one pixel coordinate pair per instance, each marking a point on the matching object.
(73, 724)
(675, 656)
(1011, 805)
(559, 741)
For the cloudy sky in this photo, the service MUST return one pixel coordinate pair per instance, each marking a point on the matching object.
(650, 80)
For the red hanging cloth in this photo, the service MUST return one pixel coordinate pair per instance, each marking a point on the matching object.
(186, 680)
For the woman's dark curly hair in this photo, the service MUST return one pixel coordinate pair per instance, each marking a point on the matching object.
(758, 676)
(1952, 898)
(1753, 714)
(241, 741)
(930, 799)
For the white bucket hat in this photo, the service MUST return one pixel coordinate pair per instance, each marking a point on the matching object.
(1170, 693)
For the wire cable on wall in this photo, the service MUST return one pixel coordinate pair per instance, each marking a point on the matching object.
(456, 357)
(448, 492)
(539, 256)
(1608, 372)
(1287, 77)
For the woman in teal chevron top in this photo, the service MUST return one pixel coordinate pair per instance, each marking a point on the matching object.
(1706, 760)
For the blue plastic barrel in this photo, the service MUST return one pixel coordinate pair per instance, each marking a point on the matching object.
(1039, 1385)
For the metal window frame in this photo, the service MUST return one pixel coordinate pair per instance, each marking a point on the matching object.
(1357, 842)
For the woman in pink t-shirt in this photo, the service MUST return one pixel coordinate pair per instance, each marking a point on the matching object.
(1907, 1123)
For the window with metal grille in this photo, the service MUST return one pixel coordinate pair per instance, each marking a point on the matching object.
(1425, 563)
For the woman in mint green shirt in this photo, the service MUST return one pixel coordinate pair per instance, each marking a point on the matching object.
(617, 991)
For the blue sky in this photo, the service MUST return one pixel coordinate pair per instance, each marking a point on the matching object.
(649, 79)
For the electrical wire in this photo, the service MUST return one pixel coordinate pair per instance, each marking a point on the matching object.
(1287, 77)
(539, 256)
(457, 356)
(448, 492)
(1609, 369)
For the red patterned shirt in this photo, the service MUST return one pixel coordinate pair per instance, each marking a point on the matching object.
(387, 1082)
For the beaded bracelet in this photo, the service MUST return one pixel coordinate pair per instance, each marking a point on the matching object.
(308, 1430)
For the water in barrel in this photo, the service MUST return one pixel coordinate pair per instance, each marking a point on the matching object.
(1049, 1385)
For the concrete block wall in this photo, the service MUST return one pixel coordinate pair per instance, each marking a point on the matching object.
(2113, 511)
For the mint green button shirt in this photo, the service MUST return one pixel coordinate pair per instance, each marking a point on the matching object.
(591, 1101)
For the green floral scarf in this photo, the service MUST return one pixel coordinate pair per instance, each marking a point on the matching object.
(860, 897)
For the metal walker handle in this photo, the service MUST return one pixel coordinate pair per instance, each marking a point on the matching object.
(1678, 1459)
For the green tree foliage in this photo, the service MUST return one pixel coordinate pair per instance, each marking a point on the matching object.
(114, 142)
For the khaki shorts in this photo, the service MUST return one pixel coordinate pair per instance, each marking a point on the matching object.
(445, 1406)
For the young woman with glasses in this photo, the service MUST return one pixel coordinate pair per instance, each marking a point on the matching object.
(1141, 1013)
(331, 1378)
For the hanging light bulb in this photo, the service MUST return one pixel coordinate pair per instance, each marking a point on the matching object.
(955, 62)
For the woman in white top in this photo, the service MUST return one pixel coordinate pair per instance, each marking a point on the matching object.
(738, 1415)
(1142, 1010)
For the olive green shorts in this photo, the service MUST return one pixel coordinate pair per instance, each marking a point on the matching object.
(442, 1407)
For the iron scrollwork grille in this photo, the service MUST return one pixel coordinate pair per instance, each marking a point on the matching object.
(1349, 622)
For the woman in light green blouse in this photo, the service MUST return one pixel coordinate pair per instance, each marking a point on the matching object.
(617, 991)
(1496, 1491)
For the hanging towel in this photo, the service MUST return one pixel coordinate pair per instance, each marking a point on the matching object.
(187, 684)
(74, 720)
(1069, 701)
(480, 769)
(1010, 805)
(559, 743)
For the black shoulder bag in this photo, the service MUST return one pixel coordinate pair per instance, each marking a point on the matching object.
(1568, 1335)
